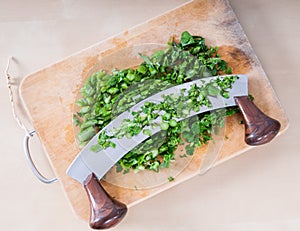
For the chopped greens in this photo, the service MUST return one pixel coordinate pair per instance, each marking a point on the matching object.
(171, 179)
(170, 110)
(105, 96)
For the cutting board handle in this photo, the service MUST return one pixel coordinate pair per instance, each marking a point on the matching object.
(105, 210)
(259, 128)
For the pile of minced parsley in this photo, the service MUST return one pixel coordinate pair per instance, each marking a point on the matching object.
(106, 95)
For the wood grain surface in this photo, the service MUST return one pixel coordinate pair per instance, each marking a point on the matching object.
(49, 94)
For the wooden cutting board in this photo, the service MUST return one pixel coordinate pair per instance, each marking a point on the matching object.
(50, 93)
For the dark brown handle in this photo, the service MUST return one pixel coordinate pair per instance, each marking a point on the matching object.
(259, 128)
(105, 211)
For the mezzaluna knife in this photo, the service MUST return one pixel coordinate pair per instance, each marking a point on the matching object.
(88, 167)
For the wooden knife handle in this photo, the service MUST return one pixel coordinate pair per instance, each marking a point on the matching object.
(259, 128)
(105, 211)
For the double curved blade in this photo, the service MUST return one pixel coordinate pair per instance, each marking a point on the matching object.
(99, 163)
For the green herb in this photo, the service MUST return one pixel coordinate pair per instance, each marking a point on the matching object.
(105, 96)
(171, 179)
(195, 133)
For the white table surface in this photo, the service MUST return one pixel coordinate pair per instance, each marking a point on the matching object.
(259, 190)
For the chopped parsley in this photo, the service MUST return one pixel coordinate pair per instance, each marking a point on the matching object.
(106, 95)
